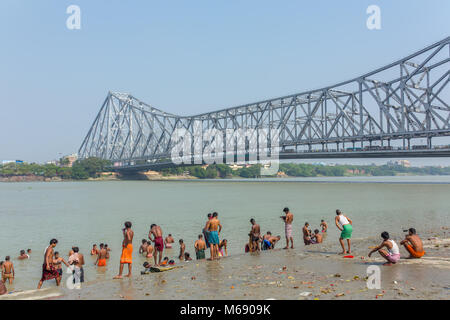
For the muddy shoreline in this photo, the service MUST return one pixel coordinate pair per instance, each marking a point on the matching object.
(307, 272)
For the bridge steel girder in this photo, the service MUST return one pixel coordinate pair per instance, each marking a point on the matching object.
(404, 100)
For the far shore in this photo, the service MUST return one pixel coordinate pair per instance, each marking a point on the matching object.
(160, 177)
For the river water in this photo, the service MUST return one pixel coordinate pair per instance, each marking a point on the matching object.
(83, 213)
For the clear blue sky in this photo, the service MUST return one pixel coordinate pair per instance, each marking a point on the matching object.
(184, 57)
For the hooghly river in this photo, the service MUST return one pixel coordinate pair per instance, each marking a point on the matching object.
(83, 213)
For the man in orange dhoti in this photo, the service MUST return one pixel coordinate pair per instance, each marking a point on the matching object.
(127, 250)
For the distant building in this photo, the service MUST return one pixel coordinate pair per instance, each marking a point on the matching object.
(12, 161)
(67, 161)
(402, 163)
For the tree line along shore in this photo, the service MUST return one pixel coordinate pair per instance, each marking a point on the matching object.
(95, 168)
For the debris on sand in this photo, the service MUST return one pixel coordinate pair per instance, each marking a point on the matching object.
(305, 294)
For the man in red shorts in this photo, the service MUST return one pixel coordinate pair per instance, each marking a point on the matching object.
(157, 233)
(48, 269)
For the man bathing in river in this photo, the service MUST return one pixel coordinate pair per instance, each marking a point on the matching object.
(157, 234)
(214, 228)
(48, 269)
(143, 247)
(306, 234)
(23, 255)
(255, 234)
(288, 227)
(200, 247)
(392, 255)
(169, 241)
(223, 248)
(8, 271)
(316, 237)
(57, 262)
(413, 244)
(77, 259)
(205, 230)
(101, 257)
(265, 244)
(150, 250)
(94, 250)
(127, 250)
(344, 224)
(324, 226)
(182, 249)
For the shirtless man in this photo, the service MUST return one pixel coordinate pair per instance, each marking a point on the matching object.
(94, 250)
(80, 263)
(48, 269)
(101, 257)
(127, 250)
(316, 237)
(206, 232)
(306, 234)
(324, 226)
(413, 244)
(200, 247)
(214, 228)
(182, 249)
(223, 248)
(143, 247)
(288, 218)
(23, 255)
(273, 241)
(57, 262)
(392, 255)
(150, 250)
(107, 250)
(157, 234)
(169, 241)
(266, 245)
(255, 234)
(8, 270)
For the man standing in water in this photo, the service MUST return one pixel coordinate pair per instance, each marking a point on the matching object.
(8, 271)
(58, 261)
(157, 233)
(413, 244)
(48, 269)
(306, 234)
(169, 241)
(182, 249)
(214, 228)
(288, 227)
(324, 226)
(205, 230)
(127, 250)
(200, 247)
(101, 257)
(344, 224)
(255, 234)
(80, 263)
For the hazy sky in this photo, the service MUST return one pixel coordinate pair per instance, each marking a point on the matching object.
(184, 57)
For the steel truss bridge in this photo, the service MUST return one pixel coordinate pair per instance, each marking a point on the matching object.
(400, 110)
